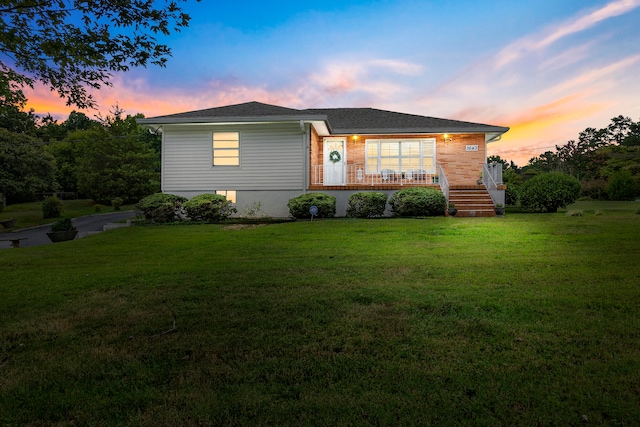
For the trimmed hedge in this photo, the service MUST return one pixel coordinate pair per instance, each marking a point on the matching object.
(418, 201)
(366, 205)
(549, 191)
(299, 206)
(161, 207)
(209, 207)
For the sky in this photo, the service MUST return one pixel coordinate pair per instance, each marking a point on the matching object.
(547, 69)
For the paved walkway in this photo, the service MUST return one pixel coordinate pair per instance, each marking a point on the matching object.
(86, 225)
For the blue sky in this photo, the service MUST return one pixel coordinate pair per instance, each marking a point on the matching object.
(547, 69)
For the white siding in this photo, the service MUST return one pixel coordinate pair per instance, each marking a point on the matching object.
(271, 158)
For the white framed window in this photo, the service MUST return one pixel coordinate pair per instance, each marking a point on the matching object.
(226, 149)
(400, 155)
(229, 194)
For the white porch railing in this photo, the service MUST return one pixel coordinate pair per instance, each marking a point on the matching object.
(491, 178)
(341, 174)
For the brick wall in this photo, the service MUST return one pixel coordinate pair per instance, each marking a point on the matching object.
(460, 166)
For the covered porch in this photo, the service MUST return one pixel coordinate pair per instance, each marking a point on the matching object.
(356, 175)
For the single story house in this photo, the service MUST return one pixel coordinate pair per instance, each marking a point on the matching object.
(260, 153)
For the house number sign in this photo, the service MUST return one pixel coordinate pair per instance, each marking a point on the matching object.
(471, 148)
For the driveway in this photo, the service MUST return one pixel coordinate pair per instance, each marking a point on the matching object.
(86, 225)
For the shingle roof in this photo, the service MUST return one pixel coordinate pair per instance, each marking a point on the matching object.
(339, 120)
(371, 120)
(248, 109)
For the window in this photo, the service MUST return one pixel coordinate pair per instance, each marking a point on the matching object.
(226, 149)
(400, 155)
(229, 194)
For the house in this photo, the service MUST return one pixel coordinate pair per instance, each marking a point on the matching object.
(260, 153)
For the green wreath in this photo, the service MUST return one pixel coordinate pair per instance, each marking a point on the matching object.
(335, 156)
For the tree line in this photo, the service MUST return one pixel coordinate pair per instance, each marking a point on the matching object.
(72, 47)
(100, 159)
(606, 162)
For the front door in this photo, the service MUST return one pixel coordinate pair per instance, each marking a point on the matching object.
(334, 161)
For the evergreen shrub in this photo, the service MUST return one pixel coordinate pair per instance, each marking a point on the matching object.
(161, 207)
(51, 207)
(116, 203)
(63, 224)
(549, 191)
(299, 206)
(209, 207)
(418, 201)
(366, 205)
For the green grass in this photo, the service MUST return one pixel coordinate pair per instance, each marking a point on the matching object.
(530, 319)
(30, 214)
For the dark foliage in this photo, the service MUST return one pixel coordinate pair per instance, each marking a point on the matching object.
(366, 205)
(209, 207)
(160, 207)
(622, 186)
(51, 207)
(549, 191)
(299, 206)
(418, 201)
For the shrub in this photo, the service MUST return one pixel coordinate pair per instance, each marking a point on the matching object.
(366, 205)
(622, 186)
(2, 202)
(51, 207)
(511, 194)
(254, 210)
(63, 224)
(97, 207)
(549, 191)
(595, 189)
(418, 201)
(299, 206)
(209, 207)
(117, 203)
(160, 207)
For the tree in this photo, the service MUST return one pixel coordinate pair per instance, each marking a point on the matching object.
(13, 119)
(78, 121)
(111, 148)
(109, 166)
(25, 167)
(72, 45)
(50, 130)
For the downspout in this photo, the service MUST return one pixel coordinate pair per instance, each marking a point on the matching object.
(305, 156)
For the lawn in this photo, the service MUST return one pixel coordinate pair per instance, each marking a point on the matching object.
(530, 319)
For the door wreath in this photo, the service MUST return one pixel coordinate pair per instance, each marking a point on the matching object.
(335, 156)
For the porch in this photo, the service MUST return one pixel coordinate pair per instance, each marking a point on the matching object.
(354, 176)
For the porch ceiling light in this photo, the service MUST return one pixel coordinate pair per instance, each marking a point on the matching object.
(447, 138)
(355, 138)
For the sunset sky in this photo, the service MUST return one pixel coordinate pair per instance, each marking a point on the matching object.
(547, 69)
